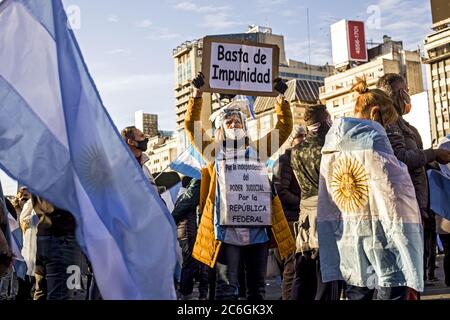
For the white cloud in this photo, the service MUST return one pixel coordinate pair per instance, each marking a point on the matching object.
(220, 21)
(405, 20)
(119, 51)
(270, 5)
(162, 33)
(143, 23)
(113, 18)
(192, 7)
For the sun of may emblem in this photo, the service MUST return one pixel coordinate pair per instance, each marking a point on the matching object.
(349, 184)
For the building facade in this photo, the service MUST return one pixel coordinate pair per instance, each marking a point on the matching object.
(147, 123)
(388, 57)
(162, 152)
(437, 60)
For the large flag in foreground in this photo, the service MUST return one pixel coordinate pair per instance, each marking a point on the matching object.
(440, 185)
(57, 138)
(369, 224)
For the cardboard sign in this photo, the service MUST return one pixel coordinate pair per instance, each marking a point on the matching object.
(239, 67)
(245, 194)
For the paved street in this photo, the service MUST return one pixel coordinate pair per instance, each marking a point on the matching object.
(433, 290)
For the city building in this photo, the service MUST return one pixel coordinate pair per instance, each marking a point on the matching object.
(188, 61)
(146, 122)
(387, 57)
(162, 151)
(300, 93)
(437, 60)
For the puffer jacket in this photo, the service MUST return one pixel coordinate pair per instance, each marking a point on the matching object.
(185, 211)
(206, 248)
(287, 186)
(408, 148)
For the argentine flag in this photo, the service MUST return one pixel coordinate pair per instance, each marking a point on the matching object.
(368, 219)
(439, 182)
(189, 163)
(57, 138)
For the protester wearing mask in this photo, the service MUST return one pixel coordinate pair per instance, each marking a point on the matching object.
(137, 143)
(220, 243)
(408, 148)
(289, 192)
(305, 160)
(368, 221)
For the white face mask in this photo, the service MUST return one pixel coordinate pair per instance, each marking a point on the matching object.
(235, 134)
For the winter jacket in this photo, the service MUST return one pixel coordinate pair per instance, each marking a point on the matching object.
(287, 186)
(206, 247)
(53, 221)
(408, 148)
(185, 211)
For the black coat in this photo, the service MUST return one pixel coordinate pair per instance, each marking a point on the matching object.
(185, 211)
(408, 148)
(287, 186)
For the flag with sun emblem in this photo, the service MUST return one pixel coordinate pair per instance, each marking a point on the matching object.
(368, 220)
(57, 138)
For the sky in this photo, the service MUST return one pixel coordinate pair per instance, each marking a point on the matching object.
(127, 45)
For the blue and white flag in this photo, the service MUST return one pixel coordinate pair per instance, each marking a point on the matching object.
(368, 220)
(189, 163)
(60, 142)
(170, 196)
(20, 267)
(439, 184)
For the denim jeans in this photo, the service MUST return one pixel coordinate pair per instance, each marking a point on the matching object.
(254, 258)
(382, 293)
(445, 239)
(59, 269)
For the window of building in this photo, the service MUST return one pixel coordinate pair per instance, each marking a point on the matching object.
(335, 103)
(180, 73)
(188, 70)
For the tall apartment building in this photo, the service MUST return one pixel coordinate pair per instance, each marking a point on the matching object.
(300, 94)
(188, 60)
(146, 122)
(437, 60)
(388, 57)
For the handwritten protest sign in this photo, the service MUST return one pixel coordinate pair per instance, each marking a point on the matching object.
(239, 67)
(245, 194)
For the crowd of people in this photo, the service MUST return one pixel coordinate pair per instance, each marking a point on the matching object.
(326, 227)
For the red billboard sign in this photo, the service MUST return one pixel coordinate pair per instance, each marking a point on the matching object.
(357, 41)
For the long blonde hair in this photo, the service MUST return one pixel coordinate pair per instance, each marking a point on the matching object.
(369, 98)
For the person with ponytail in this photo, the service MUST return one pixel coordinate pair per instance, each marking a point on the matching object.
(408, 148)
(368, 221)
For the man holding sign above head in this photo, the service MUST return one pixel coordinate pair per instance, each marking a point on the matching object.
(240, 206)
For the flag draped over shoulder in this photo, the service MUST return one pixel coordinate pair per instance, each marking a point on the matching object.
(369, 224)
(57, 138)
(439, 182)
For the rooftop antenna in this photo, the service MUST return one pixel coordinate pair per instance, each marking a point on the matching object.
(309, 41)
